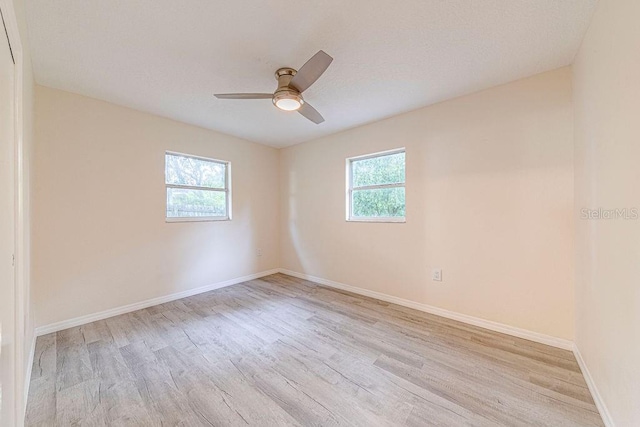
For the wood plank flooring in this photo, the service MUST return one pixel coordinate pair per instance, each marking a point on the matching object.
(284, 351)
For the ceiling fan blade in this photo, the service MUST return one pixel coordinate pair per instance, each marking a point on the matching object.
(311, 71)
(243, 95)
(311, 113)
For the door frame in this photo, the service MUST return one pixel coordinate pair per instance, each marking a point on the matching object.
(21, 215)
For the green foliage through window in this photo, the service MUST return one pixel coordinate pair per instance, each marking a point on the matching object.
(183, 170)
(195, 187)
(378, 186)
(385, 169)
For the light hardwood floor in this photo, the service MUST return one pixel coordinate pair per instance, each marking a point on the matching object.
(284, 351)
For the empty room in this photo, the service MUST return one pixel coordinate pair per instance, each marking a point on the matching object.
(319, 213)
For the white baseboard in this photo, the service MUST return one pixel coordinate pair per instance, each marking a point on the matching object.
(77, 321)
(487, 324)
(597, 398)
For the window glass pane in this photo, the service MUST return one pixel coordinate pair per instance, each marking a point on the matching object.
(183, 202)
(196, 172)
(379, 202)
(378, 170)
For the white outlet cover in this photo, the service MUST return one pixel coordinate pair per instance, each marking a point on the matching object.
(436, 275)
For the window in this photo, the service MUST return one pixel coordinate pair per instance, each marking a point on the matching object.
(376, 187)
(197, 188)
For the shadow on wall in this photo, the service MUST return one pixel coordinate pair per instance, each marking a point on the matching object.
(292, 222)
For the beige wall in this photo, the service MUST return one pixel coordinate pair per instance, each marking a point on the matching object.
(101, 240)
(489, 200)
(607, 150)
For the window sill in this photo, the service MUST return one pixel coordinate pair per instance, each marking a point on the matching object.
(196, 219)
(390, 220)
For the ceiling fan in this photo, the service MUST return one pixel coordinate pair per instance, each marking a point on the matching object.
(291, 84)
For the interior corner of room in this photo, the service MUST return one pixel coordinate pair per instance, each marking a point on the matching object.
(234, 246)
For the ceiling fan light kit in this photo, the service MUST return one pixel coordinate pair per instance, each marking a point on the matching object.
(285, 97)
(291, 84)
(287, 101)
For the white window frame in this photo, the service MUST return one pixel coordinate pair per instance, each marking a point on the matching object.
(351, 189)
(226, 190)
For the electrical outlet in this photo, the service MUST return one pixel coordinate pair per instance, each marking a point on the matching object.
(259, 251)
(436, 275)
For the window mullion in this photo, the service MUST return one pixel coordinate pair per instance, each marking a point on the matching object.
(378, 186)
(196, 187)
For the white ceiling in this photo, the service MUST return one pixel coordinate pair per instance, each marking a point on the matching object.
(168, 57)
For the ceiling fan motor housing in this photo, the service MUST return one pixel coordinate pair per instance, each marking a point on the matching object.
(286, 97)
